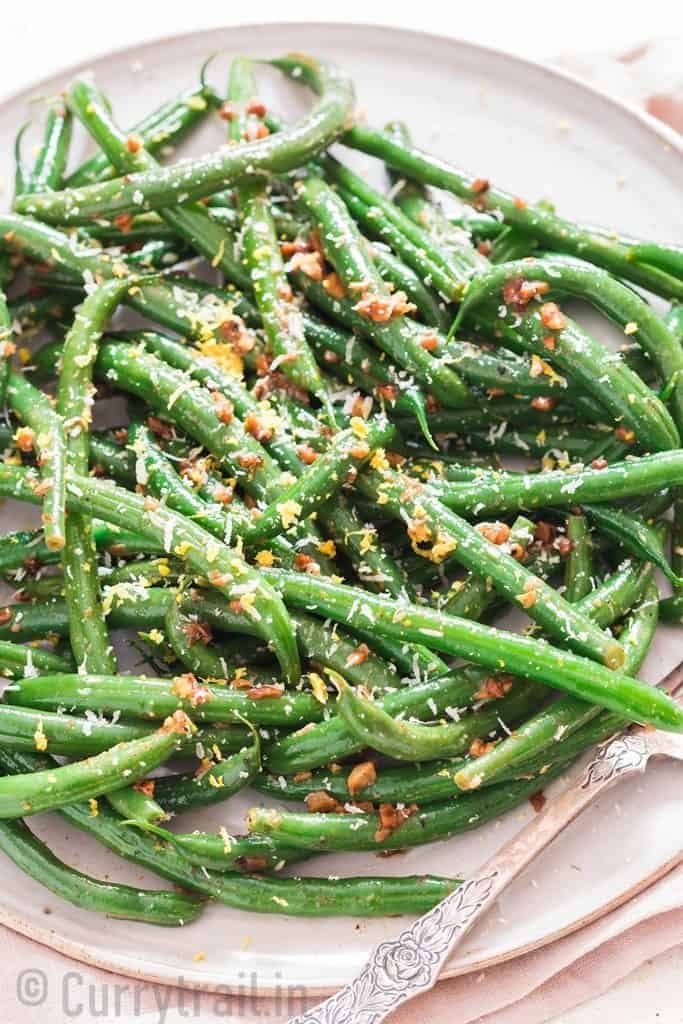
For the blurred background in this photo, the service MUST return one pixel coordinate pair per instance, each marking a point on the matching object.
(48, 36)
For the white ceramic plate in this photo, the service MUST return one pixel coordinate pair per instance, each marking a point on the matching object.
(538, 133)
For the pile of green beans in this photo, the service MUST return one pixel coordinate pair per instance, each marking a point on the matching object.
(309, 511)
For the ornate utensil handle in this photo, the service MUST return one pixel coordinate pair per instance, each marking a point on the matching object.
(404, 967)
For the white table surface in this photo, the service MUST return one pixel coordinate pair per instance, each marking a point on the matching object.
(45, 36)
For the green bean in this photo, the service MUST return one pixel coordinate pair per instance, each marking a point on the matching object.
(35, 410)
(158, 476)
(579, 566)
(348, 452)
(384, 221)
(299, 896)
(438, 230)
(677, 536)
(135, 607)
(167, 125)
(566, 275)
(174, 394)
(28, 729)
(491, 648)
(600, 372)
(348, 356)
(566, 715)
(330, 740)
(192, 179)
(339, 518)
(98, 775)
(635, 535)
(374, 565)
(282, 321)
(322, 832)
(211, 785)
(6, 347)
(668, 258)
(135, 805)
(343, 247)
(206, 660)
(563, 442)
(21, 172)
(48, 170)
(16, 549)
(130, 903)
(671, 608)
(501, 492)
(205, 556)
(332, 648)
(192, 308)
(435, 533)
(191, 221)
(17, 661)
(223, 852)
(409, 741)
(146, 697)
(88, 632)
(207, 372)
(541, 224)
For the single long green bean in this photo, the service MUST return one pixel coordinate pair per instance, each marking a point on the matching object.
(501, 492)
(130, 903)
(192, 179)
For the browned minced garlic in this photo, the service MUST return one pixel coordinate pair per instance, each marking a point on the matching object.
(264, 691)
(552, 317)
(496, 533)
(197, 633)
(527, 599)
(257, 427)
(178, 722)
(187, 687)
(24, 439)
(543, 403)
(307, 454)
(479, 747)
(391, 817)
(321, 802)
(333, 286)
(159, 427)
(306, 563)
(361, 776)
(494, 687)
(538, 801)
(382, 308)
(309, 263)
(225, 410)
(359, 655)
(518, 293)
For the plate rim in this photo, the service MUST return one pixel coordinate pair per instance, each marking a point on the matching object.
(668, 134)
(156, 974)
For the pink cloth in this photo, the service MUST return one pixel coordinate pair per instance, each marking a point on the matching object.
(531, 989)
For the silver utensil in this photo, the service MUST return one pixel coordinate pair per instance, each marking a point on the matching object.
(405, 967)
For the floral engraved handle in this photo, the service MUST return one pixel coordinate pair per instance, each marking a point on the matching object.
(400, 969)
(626, 753)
